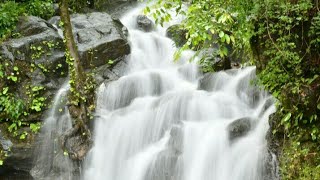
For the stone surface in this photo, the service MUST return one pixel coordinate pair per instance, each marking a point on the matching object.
(144, 23)
(206, 82)
(177, 34)
(167, 160)
(239, 128)
(5, 143)
(19, 153)
(117, 7)
(99, 37)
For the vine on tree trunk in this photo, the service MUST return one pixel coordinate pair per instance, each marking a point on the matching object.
(81, 95)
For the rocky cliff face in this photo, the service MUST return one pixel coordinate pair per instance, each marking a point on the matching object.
(38, 54)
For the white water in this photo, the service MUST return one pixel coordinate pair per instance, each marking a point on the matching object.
(50, 163)
(154, 123)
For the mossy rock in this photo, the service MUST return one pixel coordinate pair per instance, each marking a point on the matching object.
(178, 34)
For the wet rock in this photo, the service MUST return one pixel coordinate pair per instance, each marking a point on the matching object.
(35, 33)
(5, 53)
(239, 128)
(20, 157)
(117, 8)
(120, 68)
(10, 174)
(166, 164)
(177, 34)
(206, 82)
(31, 25)
(99, 37)
(275, 140)
(176, 139)
(37, 77)
(5, 144)
(144, 23)
(78, 146)
(18, 153)
(267, 104)
(111, 71)
(269, 167)
(103, 73)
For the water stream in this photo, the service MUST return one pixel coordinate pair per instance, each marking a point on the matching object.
(158, 122)
(50, 161)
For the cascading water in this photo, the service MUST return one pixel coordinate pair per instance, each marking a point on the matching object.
(50, 162)
(167, 121)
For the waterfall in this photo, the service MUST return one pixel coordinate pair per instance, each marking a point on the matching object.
(167, 121)
(50, 162)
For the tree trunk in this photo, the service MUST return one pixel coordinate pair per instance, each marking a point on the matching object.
(69, 40)
(79, 110)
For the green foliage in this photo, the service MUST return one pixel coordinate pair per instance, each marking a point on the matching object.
(37, 102)
(11, 10)
(35, 127)
(290, 74)
(9, 13)
(77, 6)
(13, 108)
(210, 24)
(41, 8)
(300, 161)
(110, 62)
(10, 105)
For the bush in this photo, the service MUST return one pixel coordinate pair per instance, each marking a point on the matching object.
(9, 13)
(41, 8)
(11, 10)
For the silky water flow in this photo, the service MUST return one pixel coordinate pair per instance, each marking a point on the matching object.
(165, 120)
(50, 162)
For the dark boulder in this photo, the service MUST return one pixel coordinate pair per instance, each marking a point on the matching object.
(239, 128)
(117, 8)
(5, 143)
(267, 104)
(177, 34)
(18, 153)
(38, 52)
(99, 37)
(144, 23)
(35, 37)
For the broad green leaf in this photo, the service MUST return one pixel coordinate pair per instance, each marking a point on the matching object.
(287, 117)
(227, 38)
(221, 34)
(232, 39)
(5, 90)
